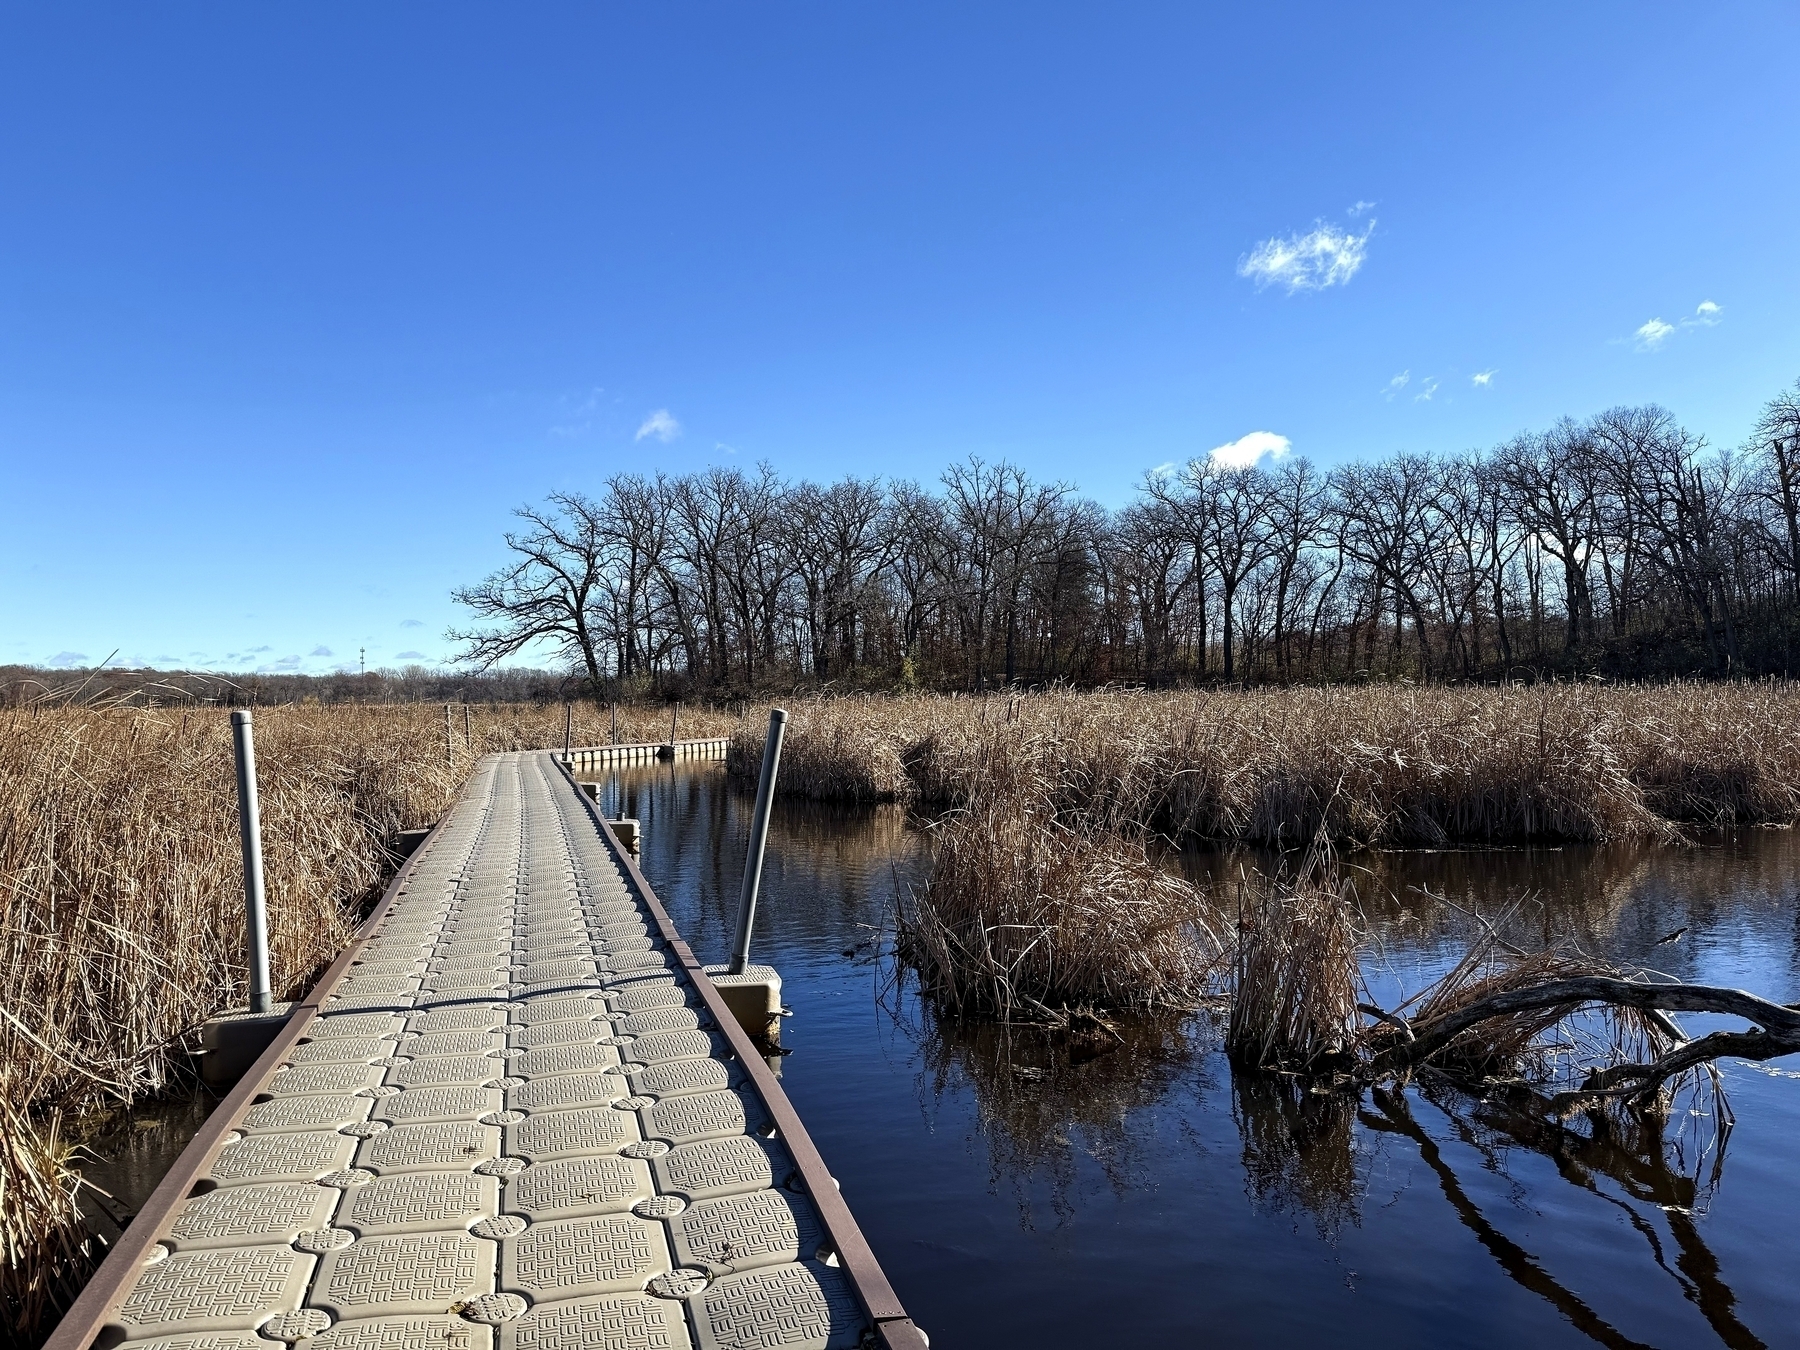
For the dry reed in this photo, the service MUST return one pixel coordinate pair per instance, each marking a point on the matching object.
(1294, 977)
(1031, 910)
(1371, 765)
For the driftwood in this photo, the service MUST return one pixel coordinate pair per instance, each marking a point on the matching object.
(1399, 1046)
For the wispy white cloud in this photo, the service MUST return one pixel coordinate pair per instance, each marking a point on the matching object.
(578, 414)
(1247, 450)
(728, 449)
(1163, 470)
(1327, 256)
(1482, 379)
(1427, 387)
(409, 656)
(661, 424)
(320, 650)
(1652, 335)
(412, 623)
(1396, 384)
(64, 660)
(1360, 209)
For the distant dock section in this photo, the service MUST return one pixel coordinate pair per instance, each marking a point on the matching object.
(589, 758)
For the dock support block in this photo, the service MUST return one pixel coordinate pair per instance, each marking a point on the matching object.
(233, 1041)
(753, 997)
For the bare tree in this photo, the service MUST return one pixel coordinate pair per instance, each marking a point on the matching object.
(545, 595)
(1774, 450)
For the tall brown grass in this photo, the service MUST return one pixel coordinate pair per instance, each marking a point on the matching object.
(1370, 765)
(1033, 907)
(1295, 977)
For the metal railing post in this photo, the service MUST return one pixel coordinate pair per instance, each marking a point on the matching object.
(759, 837)
(449, 741)
(568, 728)
(256, 910)
(674, 716)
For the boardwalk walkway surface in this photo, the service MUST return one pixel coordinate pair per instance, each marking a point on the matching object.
(516, 1117)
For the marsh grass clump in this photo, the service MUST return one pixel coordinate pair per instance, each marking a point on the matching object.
(836, 750)
(1032, 909)
(46, 1251)
(1294, 977)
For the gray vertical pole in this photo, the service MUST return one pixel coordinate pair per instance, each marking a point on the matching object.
(468, 730)
(759, 837)
(256, 909)
(568, 728)
(449, 741)
(674, 714)
(615, 723)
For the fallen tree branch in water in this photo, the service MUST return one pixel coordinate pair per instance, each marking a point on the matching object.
(1399, 1046)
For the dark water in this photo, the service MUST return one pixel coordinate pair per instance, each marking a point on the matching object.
(127, 1155)
(1032, 1191)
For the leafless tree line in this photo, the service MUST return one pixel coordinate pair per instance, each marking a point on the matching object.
(1622, 544)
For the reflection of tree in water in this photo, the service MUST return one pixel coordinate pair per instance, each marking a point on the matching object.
(1653, 1176)
(1300, 1153)
(1044, 1099)
(1300, 1149)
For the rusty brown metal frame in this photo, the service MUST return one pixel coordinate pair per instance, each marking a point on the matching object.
(113, 1280)
(893, 1328)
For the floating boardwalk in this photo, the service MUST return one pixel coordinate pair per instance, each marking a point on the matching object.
(589, 757)
(515, 1115)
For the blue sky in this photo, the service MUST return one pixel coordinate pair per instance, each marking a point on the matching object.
(296, 302)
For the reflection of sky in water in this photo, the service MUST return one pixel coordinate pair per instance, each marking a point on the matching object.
(1024, 1189)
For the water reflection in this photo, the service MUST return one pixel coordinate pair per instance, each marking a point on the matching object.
(1006, 1176)
(1633, 1156)
(126, 1156)
(1047, 1102)
(1301, 1149)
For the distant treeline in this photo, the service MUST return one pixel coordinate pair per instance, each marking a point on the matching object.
(1622, 545)
(23, 685)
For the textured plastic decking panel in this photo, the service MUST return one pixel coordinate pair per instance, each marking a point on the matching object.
(512, 1126)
